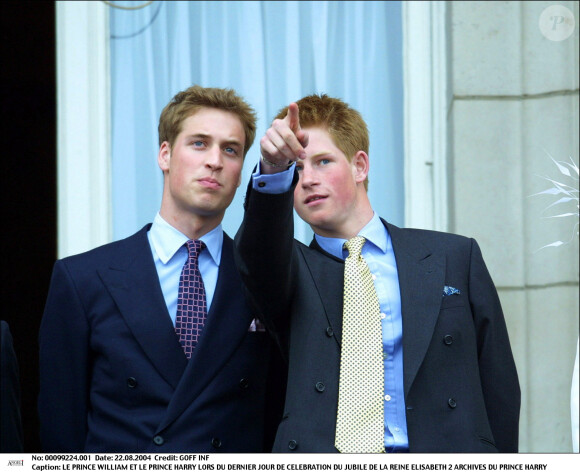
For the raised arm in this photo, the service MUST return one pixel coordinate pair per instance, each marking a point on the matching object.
(264, 244)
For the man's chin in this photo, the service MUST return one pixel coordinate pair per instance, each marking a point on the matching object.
(305, 216)
(208, 210)
(317, 224)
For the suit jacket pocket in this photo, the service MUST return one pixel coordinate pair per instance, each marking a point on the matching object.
(453, 301)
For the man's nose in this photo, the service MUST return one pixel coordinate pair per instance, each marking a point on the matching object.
(214, 158)
(307, 176)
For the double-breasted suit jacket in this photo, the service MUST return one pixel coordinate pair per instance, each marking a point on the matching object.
(114, 376)
(460, 382)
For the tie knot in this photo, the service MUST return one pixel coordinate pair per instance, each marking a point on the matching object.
(354, 245)
(194, 247)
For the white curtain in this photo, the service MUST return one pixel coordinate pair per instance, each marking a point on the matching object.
(271, 53)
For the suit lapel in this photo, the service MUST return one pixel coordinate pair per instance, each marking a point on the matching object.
(133, 283)
(227, 324)
(421, 280)
(328, 275)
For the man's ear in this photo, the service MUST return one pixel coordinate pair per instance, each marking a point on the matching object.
(164, 156)
(361, 166)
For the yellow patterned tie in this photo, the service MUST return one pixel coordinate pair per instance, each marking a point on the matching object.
(360, 425)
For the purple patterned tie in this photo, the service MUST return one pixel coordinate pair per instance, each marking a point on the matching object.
(191, 304)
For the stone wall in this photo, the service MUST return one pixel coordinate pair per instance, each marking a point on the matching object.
(515, 100)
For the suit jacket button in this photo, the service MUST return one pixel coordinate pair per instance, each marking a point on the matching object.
(448, 339)
(244, 383)
(452, 403)
(158, 440)
(292, 445)
(131, 382)
(329, 332)
(215, 442)
(320, 386)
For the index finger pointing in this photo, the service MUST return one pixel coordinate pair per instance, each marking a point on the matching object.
(293, 117)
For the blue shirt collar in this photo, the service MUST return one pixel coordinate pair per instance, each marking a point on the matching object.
(167, 240)
(374, 232)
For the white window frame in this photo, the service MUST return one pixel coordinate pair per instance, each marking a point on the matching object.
(427, 104)
(83, 126)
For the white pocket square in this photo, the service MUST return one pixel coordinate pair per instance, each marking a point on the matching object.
(257, 326)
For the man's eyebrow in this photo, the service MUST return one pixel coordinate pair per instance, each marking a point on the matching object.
(198, 135)
(206, 136)
(233, 141)
(322, 153)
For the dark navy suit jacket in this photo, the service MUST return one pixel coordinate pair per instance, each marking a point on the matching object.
(113, 376)
(460, 382)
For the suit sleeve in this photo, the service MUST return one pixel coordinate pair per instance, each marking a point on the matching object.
(64, 367)
(264, 251)
(497, 368)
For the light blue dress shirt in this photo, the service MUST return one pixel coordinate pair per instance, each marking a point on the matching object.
(170, 253)
(380, 257)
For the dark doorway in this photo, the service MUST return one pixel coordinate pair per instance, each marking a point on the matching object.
(28, 87)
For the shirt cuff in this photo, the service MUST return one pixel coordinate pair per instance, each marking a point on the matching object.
(273, 183)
